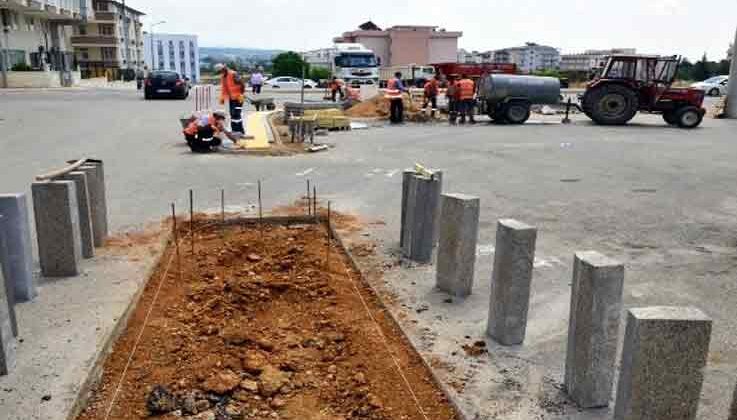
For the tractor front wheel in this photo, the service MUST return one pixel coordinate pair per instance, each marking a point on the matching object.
(689, 117)
(611, 104)
(670, 117)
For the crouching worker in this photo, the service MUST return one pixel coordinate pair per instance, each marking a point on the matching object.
(203, 134)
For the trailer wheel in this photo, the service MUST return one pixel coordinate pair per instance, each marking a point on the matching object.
(611, 104)
(689, 117)
(517, 112)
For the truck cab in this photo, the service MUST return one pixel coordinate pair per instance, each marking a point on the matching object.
(355, 64)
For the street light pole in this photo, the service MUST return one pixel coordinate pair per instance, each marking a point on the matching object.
(732, 86)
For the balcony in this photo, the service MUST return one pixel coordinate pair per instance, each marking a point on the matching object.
(94, 41)
(101, 16)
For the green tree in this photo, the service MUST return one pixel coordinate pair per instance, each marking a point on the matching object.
(289, 64)
(319, 73)
(685, 70)
(701, 70)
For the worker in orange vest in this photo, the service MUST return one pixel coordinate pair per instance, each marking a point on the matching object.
(202, 133)
(432, 87)
(336, 88)
(233, 91)
(466, 93)
(395, 93)
(452, 94)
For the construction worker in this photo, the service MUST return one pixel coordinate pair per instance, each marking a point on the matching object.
(394, 93)
(233, 91)
(452, 94)
(202, 133)
(336, 88)
(432, 87)
(466, 93)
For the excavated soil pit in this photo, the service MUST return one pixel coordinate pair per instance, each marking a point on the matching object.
(258, 328)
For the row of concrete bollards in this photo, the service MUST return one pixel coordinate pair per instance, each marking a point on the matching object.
(665, 348)
(70, 214)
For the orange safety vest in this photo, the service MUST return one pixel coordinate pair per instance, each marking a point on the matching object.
(232, 87)
(466, 89)
(431, 88)
(391, 90)
(194, 126)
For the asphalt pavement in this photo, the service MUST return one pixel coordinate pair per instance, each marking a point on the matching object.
(660, 199)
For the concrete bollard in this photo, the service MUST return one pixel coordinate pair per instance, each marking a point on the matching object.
(7, 340)
(85, 215)
(511, 282)
(459, 233)
(98, 201)
(733, 410)
(57, 227)
(406, 179)
(18, 257)
(423, 200)
(7, 285)
(663, 360)
(596, 306)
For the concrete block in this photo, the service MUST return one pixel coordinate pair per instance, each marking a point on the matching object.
(596, 306)
(57, 227)
(98, 200)
(459, 233)
(423, 200)
(18, 257)
(663, 360)
(7, 285)
(438, 176)
(511, 282)
(7, 338)
(85, 215)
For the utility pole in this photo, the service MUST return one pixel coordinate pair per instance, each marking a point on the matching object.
(732, 93)
(4, 47)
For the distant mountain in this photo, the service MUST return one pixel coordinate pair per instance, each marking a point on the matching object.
(246, 54)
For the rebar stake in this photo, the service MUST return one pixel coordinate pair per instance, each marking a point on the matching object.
(309, 201)
(330, 239)
(176, 240)
(260, 213)
(191, 219)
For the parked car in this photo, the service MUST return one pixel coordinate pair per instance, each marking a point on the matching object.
(166, 84)
(715, 86)
(286, 82)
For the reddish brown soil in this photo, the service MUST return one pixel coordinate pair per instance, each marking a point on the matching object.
(259, 329)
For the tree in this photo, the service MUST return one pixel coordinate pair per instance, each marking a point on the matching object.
(701, 69)
(319, 73)
(289, 64)
(685, 70)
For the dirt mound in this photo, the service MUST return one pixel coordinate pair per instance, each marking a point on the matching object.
(257, 327)
(378, 107)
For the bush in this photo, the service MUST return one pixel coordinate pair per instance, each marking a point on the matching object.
(21, 67)
(319, 73)
(290, 64)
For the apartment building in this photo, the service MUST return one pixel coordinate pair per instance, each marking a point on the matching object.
(406, 44)
(175, 52)
(590, 59)
(110, 43)
(36, 34)
(530, 58)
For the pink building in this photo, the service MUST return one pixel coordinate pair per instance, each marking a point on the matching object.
(403, 45)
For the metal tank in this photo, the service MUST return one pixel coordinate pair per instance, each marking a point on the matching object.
(497, 88)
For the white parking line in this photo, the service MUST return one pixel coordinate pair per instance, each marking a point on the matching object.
(306, 172)
(390, 174)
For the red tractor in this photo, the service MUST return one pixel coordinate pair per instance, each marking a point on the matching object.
(632, 83)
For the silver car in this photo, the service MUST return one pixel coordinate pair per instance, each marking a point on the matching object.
(714, 86)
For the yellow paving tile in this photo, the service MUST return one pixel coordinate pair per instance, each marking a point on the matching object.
(256, 126)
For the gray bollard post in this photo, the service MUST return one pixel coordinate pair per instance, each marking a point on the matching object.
(663, 360)
(593, 329)
(423, 199)
(406, 180)
(7, 285)
(18, 258)
(438, 176)
(57, 227)
(98, 201)
(511, 282)
(459, 233)
(7, 340)
(85, 216)
(733, 410)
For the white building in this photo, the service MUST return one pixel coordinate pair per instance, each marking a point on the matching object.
(173, 52)
(529, 58)
(320, 58)
(590, 59)
(36, 34)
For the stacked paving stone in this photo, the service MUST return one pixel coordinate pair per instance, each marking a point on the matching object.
(70, 212)
(665, 348)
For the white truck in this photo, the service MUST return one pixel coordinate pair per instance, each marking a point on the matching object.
(355, 64)
(412, 74)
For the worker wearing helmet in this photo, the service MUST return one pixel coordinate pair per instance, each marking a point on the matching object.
(202, 133)
(232, 91)
(466, 94)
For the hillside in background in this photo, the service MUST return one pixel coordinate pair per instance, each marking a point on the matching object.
(233, 54)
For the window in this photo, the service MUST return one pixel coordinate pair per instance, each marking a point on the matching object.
(108, 53)
(172, 66)
(84, 53)
(160, 48)
(30, 24)
(107, 30)
(82, 30)
(182, 66)
(181, 49)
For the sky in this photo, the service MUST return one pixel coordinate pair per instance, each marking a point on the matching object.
(684, 27)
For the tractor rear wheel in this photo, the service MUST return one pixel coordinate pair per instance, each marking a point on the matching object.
(689, 117)
(517, 112)
(611, 104)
